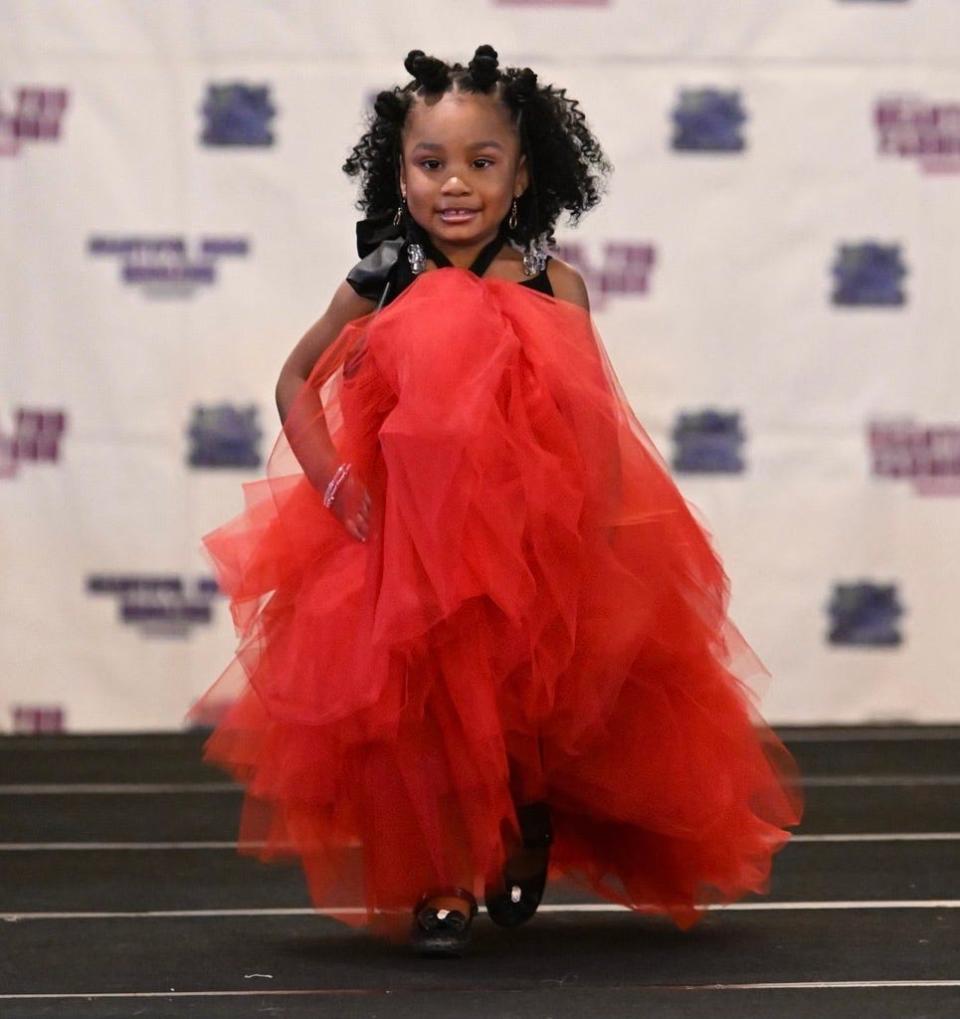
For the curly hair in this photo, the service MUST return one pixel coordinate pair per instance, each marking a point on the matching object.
(568, 168)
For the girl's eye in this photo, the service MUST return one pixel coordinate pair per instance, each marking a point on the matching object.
(426, 163)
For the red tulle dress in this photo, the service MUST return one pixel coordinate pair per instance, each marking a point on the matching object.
(536, 615)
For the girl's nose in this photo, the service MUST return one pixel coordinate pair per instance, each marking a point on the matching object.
(454, 184)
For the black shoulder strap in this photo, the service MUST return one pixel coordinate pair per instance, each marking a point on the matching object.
(479, 265)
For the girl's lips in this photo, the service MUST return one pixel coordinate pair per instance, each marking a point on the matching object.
(457, 215)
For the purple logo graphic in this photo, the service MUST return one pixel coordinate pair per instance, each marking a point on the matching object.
(927, 132)
(237, 114)
(624, 270)
(864, 613)
(708, 442)
(224, 436)
(868, 274)
(35, 115)
(35, 438)
(158, 606)
(927, 455)
(169, 265)
(37, 719)
(708, 120)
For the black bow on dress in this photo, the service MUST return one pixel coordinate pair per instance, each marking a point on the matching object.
(372, 231)
(379, 243)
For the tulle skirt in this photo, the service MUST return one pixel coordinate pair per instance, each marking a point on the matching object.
(536, 615)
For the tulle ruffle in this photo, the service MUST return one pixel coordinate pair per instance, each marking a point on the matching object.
(537, 614)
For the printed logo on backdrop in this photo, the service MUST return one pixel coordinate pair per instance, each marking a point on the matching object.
(708, 442)
(30, 114)
(37, 719)
(168, 266)
(926, 455)
(224, 435)
(927, 132)
(623, 268)
(865, 613)
(869, 274)
(708, 120)
(34, 437)
(237, 114)
(158, 605)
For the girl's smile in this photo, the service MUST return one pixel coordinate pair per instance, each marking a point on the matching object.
(457, 215)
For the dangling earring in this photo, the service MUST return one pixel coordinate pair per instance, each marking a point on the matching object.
(415, 253)
(534, 258)
(416, 258)
(512, 221)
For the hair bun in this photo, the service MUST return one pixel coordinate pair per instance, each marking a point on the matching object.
(429, 72)
(389, 105)
(411, 62)
(484, 69)
(526, 84)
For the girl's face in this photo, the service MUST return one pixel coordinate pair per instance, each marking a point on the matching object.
(461, 168)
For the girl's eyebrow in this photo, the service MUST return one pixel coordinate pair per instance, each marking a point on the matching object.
(435, 146)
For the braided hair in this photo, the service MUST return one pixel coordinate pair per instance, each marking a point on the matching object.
(567, 166)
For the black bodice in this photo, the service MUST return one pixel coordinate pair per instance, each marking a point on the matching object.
(369, 281)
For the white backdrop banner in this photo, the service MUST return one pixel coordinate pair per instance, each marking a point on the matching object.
(774, 271)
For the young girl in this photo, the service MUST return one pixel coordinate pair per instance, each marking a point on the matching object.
(482, 633)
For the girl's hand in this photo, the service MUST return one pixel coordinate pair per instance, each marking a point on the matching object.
(351, 506)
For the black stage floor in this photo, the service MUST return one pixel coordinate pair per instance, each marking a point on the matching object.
(121, 894)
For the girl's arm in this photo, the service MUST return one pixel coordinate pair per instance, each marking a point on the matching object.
(567, 284)
(345, 306)
(304, 424)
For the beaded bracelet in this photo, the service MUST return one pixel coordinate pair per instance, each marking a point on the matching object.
(334, 483)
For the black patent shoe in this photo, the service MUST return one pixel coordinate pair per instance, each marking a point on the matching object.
(518, 898)
(439, 931)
